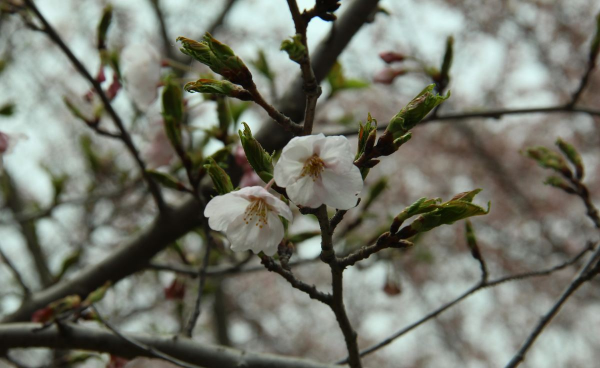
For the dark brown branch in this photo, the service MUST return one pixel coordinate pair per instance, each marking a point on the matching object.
(124, 135)
(284, 121)
(589, 271)
(24, 335)
(311, 290)
(354, 15)
(383, 242)
(148, 349)
(127, 259)
(310, 84)
(584, 81)
(337, 302)
(202, 281)
(479, 286)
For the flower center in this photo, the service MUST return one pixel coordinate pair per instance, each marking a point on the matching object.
(256, 212)
(313, 167)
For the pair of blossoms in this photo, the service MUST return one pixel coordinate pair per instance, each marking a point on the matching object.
(314, 169)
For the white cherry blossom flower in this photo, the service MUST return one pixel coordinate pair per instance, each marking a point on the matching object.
(249, 218)
(316, 169)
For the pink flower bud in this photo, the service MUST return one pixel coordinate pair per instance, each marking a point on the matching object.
(390, 56)
(114, 88)
(387, 75)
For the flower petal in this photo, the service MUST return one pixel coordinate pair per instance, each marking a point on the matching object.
(244, 236)
(337, 153)
(306, 192)
(341, 190)
(275, 234)
(223, 210)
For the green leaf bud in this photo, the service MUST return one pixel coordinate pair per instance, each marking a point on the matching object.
(294, 48)
(219, 177)
(258, 158)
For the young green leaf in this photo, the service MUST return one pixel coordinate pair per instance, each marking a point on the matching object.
(550, 160)
(224, 88)
(294, 48)
(220, 179)
(415, 111)
(573, 156)
(103, 26)
(259, 159)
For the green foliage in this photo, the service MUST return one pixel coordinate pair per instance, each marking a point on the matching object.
(172, 101)
(103, 25)
(549, 159)
(458, 208)
(261, 63)
(338, 81)
(220, 179)
(447, 62)
(573, 156)
(219, 57)
(294, 48)
(258, 158)
(595, 46)
(415, 111)
(69, 261)
(218, 87)
(166, 180)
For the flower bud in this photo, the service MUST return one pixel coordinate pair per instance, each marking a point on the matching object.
(219, 58)
(573, 156)
(550, 160)
(225, 88)
(387, 75)
(258, 158)
(415, 111)
(390, 56)
(294, 48)
(219, 177)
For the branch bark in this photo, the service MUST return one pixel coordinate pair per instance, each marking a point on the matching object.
(71, 336)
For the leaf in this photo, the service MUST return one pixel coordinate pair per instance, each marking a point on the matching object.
(338, 81)
(219, 177)
(447, 62)
(549, 159)
(458, 208)
(415, 111)
(573, 156)
(166, 180)
(259, 159)
(103, 26)
(261, 63)
(213, 86)
(98, 294)
(294, 48)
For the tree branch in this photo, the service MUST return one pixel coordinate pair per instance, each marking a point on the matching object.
(71, 336)
(482, 284)
(292, 104)
(124, 135)
(127, 259)
(15, 273)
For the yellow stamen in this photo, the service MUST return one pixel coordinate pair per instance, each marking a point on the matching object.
(313, 167)
(257, 211)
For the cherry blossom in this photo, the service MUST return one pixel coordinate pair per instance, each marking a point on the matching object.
(141, 69)
(249, 218)
(318, 170)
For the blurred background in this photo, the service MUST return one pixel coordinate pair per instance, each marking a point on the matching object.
(70, 196)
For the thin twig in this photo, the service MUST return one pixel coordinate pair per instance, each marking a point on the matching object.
(124, 134)
(495, 114)
(150, 350)
(310, 84)
(479, 286)
(588, 271)
(275, 114)
(202, 281)
(15, 273)
(584, 81)
(311, 290)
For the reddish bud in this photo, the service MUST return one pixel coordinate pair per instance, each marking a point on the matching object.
(114, 88)
(100, 77)
(42, 315)
(116, 362)
(175, 291)
(390, 56)
(387, 75)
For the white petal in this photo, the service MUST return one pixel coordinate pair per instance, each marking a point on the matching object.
(224, 209)
(306, 192)
(337, 152)
(342, 190)
(275, 234)
(242, 235)
(291, 162)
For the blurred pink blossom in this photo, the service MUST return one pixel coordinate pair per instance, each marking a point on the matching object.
(390, 56)
(160, 152)
(387, 75)
(8, 143)
(141, 65)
